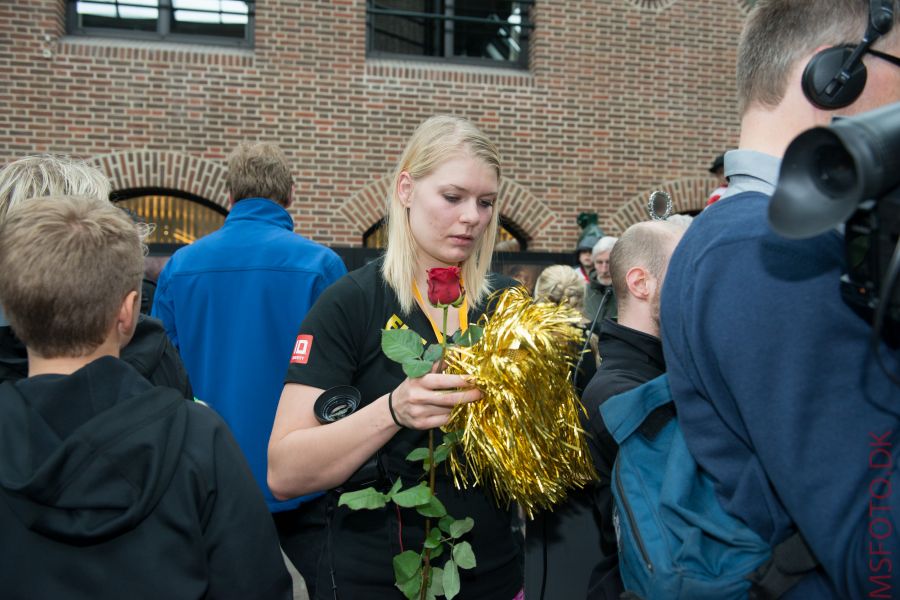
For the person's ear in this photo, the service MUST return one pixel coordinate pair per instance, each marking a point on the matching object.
(230, 200)
(405, 188)
(638, 281)
(290, 197)
(126, 320)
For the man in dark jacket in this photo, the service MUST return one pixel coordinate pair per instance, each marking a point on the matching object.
(110, 486)
(631, 354)
(599, 299)
(150, 351)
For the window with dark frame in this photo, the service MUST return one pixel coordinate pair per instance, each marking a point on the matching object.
(485, 32)
(222, 22)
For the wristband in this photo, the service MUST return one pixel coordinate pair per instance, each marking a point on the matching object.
(391, 408)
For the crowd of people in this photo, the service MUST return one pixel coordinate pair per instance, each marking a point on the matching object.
(187, 453)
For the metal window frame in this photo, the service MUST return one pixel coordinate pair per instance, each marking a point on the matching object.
(450, 22)
(163, 27)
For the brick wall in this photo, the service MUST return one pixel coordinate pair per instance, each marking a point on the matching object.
(622, 97)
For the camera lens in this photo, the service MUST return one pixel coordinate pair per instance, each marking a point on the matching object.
(836, 173)
(336, 403)
(339, 407)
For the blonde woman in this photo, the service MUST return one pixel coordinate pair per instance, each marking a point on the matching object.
(442, 212)
(560, 284)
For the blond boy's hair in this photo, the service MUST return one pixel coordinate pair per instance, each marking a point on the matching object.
(49, 175)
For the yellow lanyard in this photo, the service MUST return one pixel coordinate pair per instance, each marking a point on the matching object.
(463, 314)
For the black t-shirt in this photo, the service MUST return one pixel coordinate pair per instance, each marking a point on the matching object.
(343, 347)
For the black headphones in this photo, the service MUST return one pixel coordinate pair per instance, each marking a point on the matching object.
(836, 76)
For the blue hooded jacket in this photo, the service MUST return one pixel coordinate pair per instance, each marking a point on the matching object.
(232, 303)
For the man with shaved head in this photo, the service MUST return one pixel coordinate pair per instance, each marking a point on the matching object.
(631, 354)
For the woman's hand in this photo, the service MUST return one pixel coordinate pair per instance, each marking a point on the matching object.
(425, 402)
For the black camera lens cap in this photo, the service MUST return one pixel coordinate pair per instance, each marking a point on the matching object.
(336, 403)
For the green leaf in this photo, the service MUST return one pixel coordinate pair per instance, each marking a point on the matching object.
(441, 453)
(411, 586)
(434, 508)
(417, 454)
(445, 523)
(470, 335)
(366, 498)
(406, 565)
(416, 367)
(433, 353)
(434, 538)
(401, 345)
(451, 437)
(426, 465)
(437, 582)
(464, 556)
(435, 552)
(458, 528)
(394, 489)
(451, 579)
(414, 496)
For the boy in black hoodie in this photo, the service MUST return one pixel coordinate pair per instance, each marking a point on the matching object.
(111, 487)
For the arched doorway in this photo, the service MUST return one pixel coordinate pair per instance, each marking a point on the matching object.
(180, 218)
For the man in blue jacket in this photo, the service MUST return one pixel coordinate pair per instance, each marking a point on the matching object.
(776, 388)
(232, 302)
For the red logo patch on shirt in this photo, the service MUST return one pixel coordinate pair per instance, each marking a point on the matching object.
(302, 348)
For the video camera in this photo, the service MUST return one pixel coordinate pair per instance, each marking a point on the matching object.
(849, 173)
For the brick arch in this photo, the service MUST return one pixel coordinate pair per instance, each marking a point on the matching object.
(530, 216)
(688, 194)
(652, 4)
(366, 208)
(746, 5)
(162, 169)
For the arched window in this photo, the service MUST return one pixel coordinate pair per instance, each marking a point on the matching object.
(376, 236)
(180, 217)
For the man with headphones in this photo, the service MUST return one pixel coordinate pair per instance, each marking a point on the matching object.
(776, 388)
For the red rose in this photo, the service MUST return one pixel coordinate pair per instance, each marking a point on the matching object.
(444, 286)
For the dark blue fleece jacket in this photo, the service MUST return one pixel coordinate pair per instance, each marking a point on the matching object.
(780, 397)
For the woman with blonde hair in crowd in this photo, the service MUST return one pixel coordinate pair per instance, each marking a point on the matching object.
(442, 212)
(562, 285)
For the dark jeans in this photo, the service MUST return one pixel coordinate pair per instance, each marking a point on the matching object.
(302, 535)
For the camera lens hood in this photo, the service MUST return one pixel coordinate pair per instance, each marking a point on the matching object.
(336, 403)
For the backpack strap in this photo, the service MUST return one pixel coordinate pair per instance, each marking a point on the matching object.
(791, 561)
(625, 413)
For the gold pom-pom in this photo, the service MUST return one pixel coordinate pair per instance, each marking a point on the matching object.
(523, 439)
